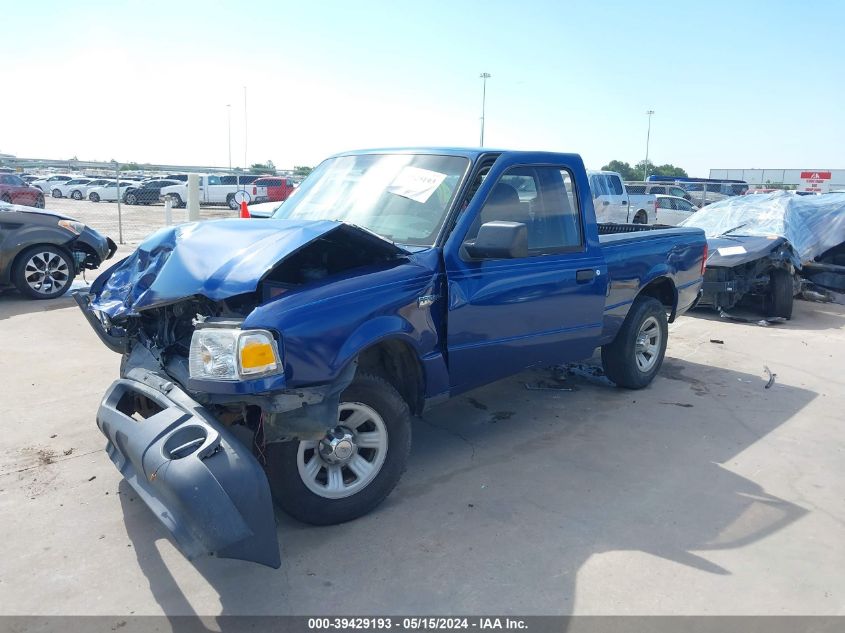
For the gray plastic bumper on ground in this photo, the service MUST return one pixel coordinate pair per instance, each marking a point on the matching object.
(197, 478)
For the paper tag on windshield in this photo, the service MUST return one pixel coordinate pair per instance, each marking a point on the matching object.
(731, 250)
(416, 184)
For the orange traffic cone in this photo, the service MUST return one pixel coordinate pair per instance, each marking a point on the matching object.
(244, 210)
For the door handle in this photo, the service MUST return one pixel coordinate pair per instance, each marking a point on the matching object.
(585, 275)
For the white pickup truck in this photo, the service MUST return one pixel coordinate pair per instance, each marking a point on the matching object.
(215, 189)
(614, 203)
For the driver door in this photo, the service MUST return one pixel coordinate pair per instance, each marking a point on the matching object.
(507, 314)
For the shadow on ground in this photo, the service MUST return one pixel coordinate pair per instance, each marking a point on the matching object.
(510, 491)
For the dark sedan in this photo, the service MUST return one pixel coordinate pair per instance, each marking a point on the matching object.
(41, 252)
(148, 192)
(15, 190)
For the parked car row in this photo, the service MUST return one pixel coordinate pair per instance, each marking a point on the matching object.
(214, 188)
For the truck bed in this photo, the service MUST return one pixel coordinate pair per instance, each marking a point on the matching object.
(638, 253)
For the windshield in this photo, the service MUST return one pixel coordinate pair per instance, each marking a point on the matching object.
(402, 197)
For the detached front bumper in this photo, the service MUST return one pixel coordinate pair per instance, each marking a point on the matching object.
(196, 477)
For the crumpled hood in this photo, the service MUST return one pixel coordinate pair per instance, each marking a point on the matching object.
(215, 259)
(730, 251)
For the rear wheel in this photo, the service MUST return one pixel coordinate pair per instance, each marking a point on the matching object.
(230, 200)
(6, 198)
(636, 354)
(641, 217)
(177, 201)
(780, 298)
(357, 463)
(39, 201)
(76, 194)
(43, 272)
(131, 198)
(94, 197)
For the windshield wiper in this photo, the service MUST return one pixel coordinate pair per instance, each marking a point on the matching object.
(733, 229)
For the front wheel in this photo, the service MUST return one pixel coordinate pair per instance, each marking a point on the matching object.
(636, 354)
(94, 197)
(131, 198)
(43, 272)
(39, 201)
(230, 200)
(780, 298)
(76, 194)
(356, 464)
(57, 193)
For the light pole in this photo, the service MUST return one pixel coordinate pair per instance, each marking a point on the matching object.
(484, 77)
(647, 139)
(229, 118)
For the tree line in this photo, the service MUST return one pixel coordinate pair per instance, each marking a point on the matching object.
(641, 169)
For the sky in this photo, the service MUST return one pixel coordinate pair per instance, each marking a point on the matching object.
(732, 84)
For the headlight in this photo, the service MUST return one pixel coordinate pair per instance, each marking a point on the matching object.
(229, 354)
(73, 226)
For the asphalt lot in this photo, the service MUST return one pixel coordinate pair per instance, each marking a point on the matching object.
(704, 494)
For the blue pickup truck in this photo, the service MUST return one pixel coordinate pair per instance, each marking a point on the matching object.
(284, 358)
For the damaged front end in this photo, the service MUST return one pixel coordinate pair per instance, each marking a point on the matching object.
(200, 396)
(740, 267)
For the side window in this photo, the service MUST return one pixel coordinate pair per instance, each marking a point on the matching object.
(214, 180)
(599, 186)
(5, 180)
(684, 205)
(615, 185)
(542, 198)
(663, 203)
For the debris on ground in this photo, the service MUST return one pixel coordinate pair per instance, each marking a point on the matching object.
(92, 478)
(68, 451)
(679, 404)
(46, 456)
(741, 319)
(477, 404)
(771, 376)
(547, 385)
(717, 341)
(819, 295)
(501, 415)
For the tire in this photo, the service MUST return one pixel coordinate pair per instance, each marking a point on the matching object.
(641, 217)
(29, 277)
(39, 201)
(57, 193)
(780, 298)
(131, 198)
(94, 196)
(230, 200)
(288, 463)
(177, 201)
(6, 198)
(76, 194)
(634, 357)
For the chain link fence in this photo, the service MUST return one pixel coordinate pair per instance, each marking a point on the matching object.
(128, 205)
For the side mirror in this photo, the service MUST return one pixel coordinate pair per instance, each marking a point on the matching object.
(499, 240)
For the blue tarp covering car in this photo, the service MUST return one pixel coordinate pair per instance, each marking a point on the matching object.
(757, 243)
